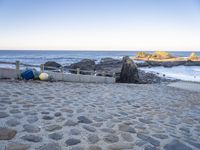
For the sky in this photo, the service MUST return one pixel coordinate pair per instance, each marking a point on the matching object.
(100, 25)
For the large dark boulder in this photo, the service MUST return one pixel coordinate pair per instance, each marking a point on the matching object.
(129, 71)
(85, 64)
(52, 65)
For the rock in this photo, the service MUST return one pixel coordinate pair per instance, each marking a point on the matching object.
(121, 146)
(12, 122)
(45, 112)
(150, 147)
(85, 64)
(57, 114)
(160, 136)
(108, 66)
(89, 128)
(32, 138)
(126, 128)
(70, 123)
(129, 71)
(17, 146)
(77, 148)
(127, 137)
(95, 147)
(32, 119)
(184, 129)
(53, 127)
(111, 138)
(146, 121)
(197, 145)
(176, 145)
(56, 136)
(108, 130)
(3, 115)
(93, 138)
(75, 132)
(14, 111)
(7, 134)
(47, 117)
(31, 128)
(72, 141)
(83, 119)
(51, 64)
(50, 146)
(148, 139)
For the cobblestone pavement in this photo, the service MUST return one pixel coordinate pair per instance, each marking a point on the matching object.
(75, 116)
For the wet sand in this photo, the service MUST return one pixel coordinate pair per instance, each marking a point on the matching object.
(77, 116)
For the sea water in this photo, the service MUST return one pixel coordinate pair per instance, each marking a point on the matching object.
(188, 73)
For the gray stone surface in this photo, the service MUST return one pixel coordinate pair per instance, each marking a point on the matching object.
(83, 119)
(98, 116)
(53, 127)
(72, 141)
(7, 133)
(111, 138)
(32, 138)
(56, 136)
(17, 146)
(31, 128)
(12, 122)
(93, 138)
(50, 146)
(3, 115)
(176, 145)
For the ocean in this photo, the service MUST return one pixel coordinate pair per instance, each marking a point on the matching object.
(68, 57)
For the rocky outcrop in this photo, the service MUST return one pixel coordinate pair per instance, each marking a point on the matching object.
(50, 65)
(85, 64)
(129, 71)
(108, 66)
(168, 63)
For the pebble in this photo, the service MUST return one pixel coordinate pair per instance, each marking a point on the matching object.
(7, 133)
(72, 141)
(94, 147)
(146, 121)
(160, 136)
(75, 132)
(89, 128)
(126, 128)
(70, 123)
(77, 148)
(57, 114)
(14, 111)
(93, 138)
(148, 139)
(47, 117)
(121, 146)
(50, 146)
(176, 145)
(83, 119)
(127, 137)
(32, 138)
(17, 146)
(111, 138)
(32, 119)
(12, 122)
(3, 115)
(53, 127)
(56, 136)
(31, 128)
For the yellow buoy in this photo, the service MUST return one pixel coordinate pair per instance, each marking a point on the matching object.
(44, 76)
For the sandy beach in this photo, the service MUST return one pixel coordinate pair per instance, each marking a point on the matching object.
(77, 116)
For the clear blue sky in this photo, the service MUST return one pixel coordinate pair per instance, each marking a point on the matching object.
(100, 24)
